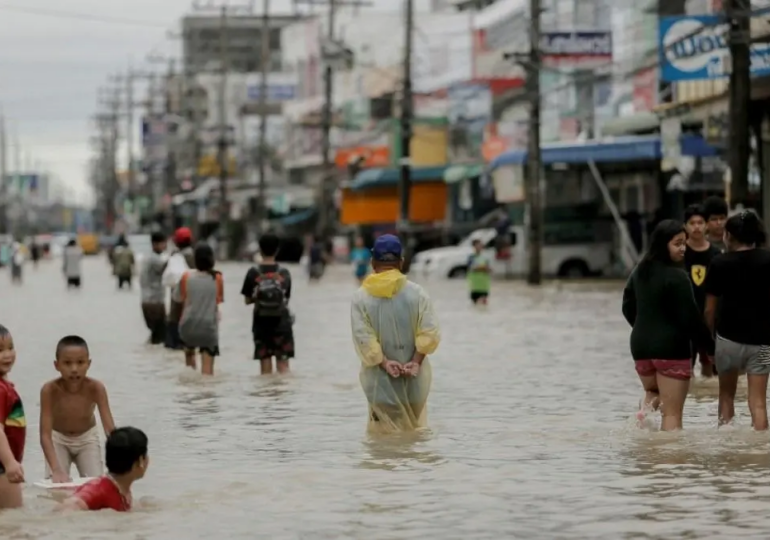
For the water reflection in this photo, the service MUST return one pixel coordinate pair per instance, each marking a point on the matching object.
(399, 451)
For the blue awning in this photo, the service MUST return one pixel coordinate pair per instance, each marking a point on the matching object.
(625, 149)
(372, 178)
(297, 217)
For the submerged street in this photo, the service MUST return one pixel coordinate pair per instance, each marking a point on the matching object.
(530, 425)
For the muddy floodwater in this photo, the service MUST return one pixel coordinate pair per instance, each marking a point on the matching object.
(530, 434)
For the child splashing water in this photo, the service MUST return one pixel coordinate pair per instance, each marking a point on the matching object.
(394, 331)
(200, 292)
(658, 303)
(127, 461)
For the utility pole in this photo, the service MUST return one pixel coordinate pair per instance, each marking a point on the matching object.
(326, 206)
(263, 89)
(407, 112)
(325, 216)
(224, 207)
(738, 16)
(534, 163)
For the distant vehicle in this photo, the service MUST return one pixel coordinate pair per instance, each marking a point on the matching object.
(558, 260)
(89, 243)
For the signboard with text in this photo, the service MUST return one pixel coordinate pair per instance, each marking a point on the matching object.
(695, 47)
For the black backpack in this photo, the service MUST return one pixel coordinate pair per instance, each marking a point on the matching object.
(269, 294)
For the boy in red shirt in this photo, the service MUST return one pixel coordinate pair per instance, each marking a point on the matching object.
(13, 431)
(127, 461)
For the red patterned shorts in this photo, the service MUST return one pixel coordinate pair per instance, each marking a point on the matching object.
(675, 369)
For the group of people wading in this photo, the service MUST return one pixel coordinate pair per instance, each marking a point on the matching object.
(702, 290)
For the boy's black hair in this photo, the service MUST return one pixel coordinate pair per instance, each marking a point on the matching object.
(694, 210)
(204, 257)
(71, 341)
(4, 332)
(157, 238)
(124, 447)
(269, 243)
(714, 206)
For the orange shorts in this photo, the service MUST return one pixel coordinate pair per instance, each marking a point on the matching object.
(675, 369)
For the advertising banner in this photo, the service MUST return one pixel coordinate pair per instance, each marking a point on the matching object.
(695, 47)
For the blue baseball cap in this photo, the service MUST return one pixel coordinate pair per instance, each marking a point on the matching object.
(387, 248)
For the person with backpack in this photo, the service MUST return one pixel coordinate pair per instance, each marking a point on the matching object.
(267, 287)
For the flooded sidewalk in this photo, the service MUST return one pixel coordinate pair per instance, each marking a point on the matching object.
(531, 431)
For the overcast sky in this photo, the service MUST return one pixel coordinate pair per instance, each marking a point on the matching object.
(54, 56)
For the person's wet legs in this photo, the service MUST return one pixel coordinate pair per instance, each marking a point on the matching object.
(266, 366)
(207, 363)
(728, 386)
(673, 394)
(189, 359)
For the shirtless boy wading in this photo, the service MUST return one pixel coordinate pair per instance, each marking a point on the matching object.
(68, 430)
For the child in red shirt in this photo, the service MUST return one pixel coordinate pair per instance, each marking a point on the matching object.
(13, 431)
(127, 461)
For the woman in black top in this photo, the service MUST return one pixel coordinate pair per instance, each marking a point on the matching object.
(740, 281)
(658, 303)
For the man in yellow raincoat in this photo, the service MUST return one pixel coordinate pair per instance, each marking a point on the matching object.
(394, 330)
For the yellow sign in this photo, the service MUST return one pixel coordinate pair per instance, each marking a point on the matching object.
(429, 146)
(698, 273)
(209, 166)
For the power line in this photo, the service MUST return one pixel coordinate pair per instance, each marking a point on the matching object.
(83, 17)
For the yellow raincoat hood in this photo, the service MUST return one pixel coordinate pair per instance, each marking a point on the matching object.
(385, 284)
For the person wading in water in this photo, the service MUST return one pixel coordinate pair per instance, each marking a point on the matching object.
(182, 260)
(738, 310)
(659, 304)
(394, 330)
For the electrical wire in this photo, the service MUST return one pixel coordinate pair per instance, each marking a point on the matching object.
(82, 17)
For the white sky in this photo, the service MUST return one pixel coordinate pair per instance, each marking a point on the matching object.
(54, 56)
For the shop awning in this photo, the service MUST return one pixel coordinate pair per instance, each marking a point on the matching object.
(374, 178)
(620, 150)
(297, 217)
(457, 173)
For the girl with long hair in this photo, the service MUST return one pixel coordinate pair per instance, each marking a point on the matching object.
(659, 304)
(738, 287)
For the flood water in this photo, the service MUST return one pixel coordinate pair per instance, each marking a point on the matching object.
(530, 426)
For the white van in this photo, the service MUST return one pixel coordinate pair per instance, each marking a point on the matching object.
(558, 260)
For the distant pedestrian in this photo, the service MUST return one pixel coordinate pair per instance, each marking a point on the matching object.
(181, 260)
(71, 260)
(17, 262)
(153, 292)
(200, 292)
(123, 262)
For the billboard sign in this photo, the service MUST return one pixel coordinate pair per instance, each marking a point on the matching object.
(576, 46)
(695, 47)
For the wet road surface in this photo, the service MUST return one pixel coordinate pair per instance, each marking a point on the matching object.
(530, 415)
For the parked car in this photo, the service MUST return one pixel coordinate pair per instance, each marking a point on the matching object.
(570, 260)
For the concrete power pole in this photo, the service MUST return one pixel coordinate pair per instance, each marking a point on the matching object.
(535, 166)
(326, 207)
(222, 145)
(738, 15)
(407, 113)
(262, 212)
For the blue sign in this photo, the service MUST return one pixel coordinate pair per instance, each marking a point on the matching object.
(576, 44)
(275, 92)
(695, 47)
